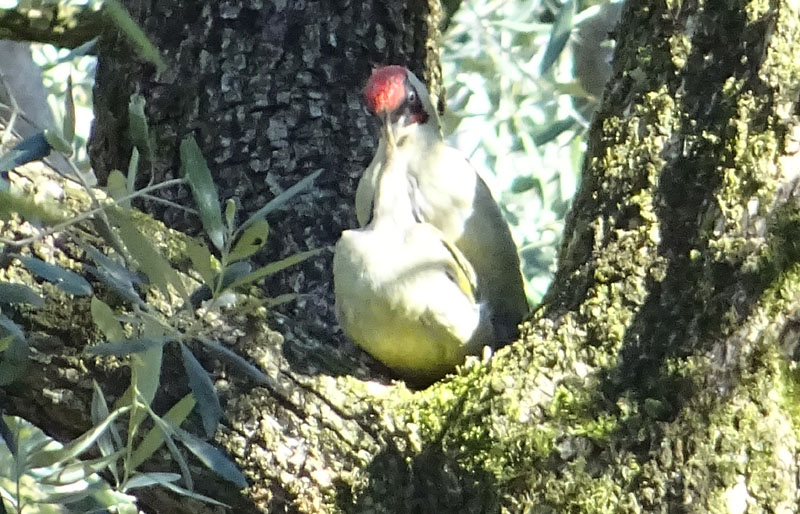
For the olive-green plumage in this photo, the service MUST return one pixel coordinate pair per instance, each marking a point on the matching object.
(403, 292)
(449, 194)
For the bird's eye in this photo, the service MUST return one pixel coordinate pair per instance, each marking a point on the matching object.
(412, 96)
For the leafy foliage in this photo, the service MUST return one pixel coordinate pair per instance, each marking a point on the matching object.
(136, 329)
(522, 81)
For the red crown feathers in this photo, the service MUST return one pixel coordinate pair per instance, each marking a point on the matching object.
(386, 89)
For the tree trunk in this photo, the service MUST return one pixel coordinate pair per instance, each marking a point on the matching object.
(658, 375)
(272, 92)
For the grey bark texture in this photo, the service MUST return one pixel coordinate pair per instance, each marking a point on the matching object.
(659, 374)
(272, 92)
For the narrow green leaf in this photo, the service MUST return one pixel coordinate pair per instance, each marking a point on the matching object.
(146, 372)
(32, 148)
(168, 431)
(523, 183)
(19, 293)
(150, 260)
(66, 280)
(87, 48)
(145, 379)
(115, 276)
(137, 126)
(201, 261)
(131, 30)
(106, 442)
(8, 327)
(520, 26)
(237, 361)
(39, 446)
(281, 199)
(57, 142)
(235, 271)
(155, 436)
(146, 368)
(117, 187)
(559, 36)
(106, 321)
(8, 436)
(66, 498)
(251, 241)
(127, 346)
(81, 470)
(114, 268)
(213, 458)
(203, 390)
(572, 88)
(69, 113)
(191, 494)
(24, 450)
(126, 399)
(274, 267)
(549, 132)
(133, 170)
(195, 169)
(5, 342)
(14, 363)
(148, 479)
(75, 448)
(122, 506)
(124, 291)
(230, 212)
(99, 408)
(269, 303)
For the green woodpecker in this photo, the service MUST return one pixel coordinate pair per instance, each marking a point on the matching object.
(447, 192)
(403, 292)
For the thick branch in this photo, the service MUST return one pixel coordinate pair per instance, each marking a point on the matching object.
(63, 23)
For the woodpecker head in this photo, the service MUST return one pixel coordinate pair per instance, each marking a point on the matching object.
(396, 95)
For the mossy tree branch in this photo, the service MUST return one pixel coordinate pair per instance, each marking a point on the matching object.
(659, 374)
(62, 23)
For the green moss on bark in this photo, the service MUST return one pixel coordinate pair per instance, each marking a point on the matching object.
(656, 375)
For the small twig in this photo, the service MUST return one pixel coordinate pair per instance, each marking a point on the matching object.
(100, 209)
(14, 110)
(90, 213)
(171, 204)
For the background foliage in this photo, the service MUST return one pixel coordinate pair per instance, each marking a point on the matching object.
(523, 79)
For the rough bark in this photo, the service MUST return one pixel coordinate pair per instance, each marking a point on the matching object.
(659, 374)
(272, 92)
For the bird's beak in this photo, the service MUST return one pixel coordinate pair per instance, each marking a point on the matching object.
(387, 128)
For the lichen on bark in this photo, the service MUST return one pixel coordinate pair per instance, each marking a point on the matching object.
(654, 376)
